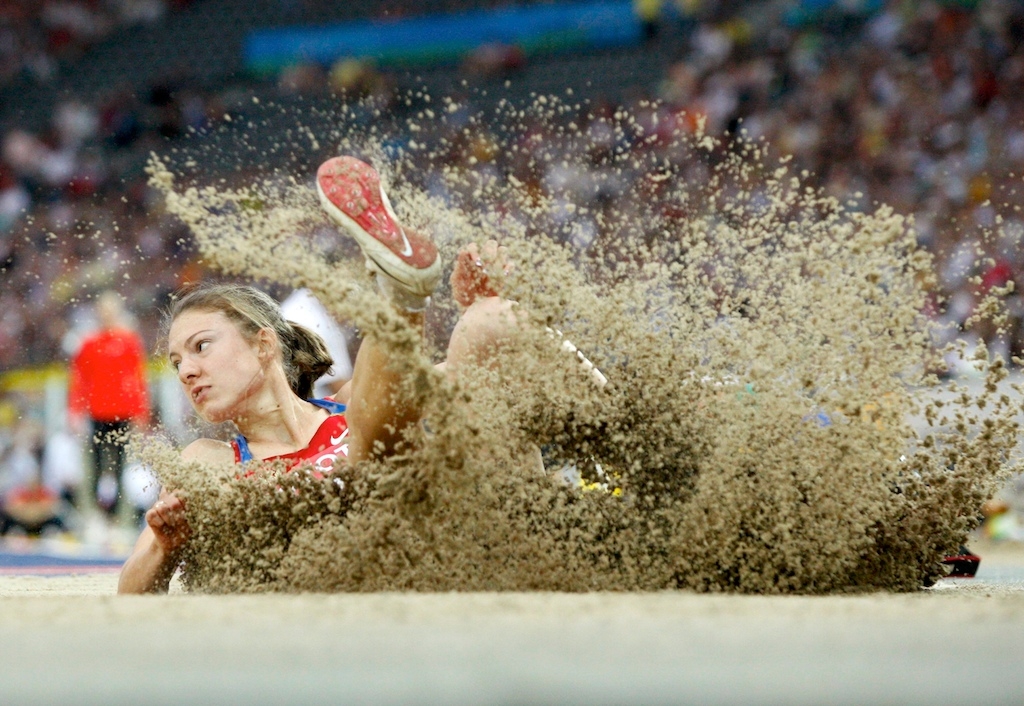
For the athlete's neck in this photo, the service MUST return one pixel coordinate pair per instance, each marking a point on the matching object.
(280, 420)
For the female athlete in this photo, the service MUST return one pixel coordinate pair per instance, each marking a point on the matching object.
(239, 360)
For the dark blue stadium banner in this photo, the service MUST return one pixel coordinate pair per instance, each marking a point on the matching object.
(445, 38)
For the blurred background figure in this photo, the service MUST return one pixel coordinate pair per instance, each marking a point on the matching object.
(108, 396)
(62, 471)
(27, 506)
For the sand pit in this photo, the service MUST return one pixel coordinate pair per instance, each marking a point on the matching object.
(957, 643)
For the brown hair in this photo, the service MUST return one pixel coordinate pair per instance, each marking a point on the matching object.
(303, 352)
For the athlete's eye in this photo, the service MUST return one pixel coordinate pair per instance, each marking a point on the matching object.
(202, 345)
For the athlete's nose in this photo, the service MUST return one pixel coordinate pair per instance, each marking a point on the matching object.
(187, 370)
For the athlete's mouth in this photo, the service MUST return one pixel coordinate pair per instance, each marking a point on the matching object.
(198, 392)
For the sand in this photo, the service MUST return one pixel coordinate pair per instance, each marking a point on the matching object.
(957, 643)
(765, 346)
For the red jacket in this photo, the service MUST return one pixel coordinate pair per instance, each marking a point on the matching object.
(108, 378)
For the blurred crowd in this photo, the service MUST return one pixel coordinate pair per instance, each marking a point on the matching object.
(911, 104)
(37, 35)
(76, 215)
(916, 104)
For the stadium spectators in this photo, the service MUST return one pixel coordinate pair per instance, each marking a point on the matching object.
(35, 36)
(915, 105)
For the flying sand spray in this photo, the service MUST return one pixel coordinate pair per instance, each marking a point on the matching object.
(761, 351)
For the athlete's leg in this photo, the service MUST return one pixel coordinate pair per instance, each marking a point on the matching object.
(406, 267)
(488, 320)
(378, 410)
(483, 327)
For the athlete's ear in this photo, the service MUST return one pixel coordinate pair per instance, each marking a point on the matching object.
(266, 343)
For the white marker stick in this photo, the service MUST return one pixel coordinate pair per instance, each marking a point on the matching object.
(568, 347)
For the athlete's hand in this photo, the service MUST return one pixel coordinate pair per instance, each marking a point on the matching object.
(479, 272)
(167, 520)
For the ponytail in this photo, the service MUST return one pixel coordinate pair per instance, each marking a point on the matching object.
(306, 358)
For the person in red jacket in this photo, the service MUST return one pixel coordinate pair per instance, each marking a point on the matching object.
(108, 392)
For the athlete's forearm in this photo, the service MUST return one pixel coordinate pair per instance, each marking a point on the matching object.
(148, 570)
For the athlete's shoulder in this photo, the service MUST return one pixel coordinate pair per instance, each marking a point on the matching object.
(209, 451)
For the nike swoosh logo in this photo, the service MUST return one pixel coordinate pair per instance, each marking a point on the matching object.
(406, 250)
(336, 439)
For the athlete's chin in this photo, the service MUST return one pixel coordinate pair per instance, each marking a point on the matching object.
(211, 414)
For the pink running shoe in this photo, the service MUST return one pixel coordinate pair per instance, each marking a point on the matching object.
(352, 195)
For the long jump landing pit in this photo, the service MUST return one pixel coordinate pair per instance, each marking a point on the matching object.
(70, 640)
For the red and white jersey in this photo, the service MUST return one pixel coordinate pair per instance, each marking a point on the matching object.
(329, 442)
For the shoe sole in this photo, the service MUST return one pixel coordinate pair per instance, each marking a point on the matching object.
(963, 566)
(417, 280)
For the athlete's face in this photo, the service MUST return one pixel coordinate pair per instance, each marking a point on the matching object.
(219, 368)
